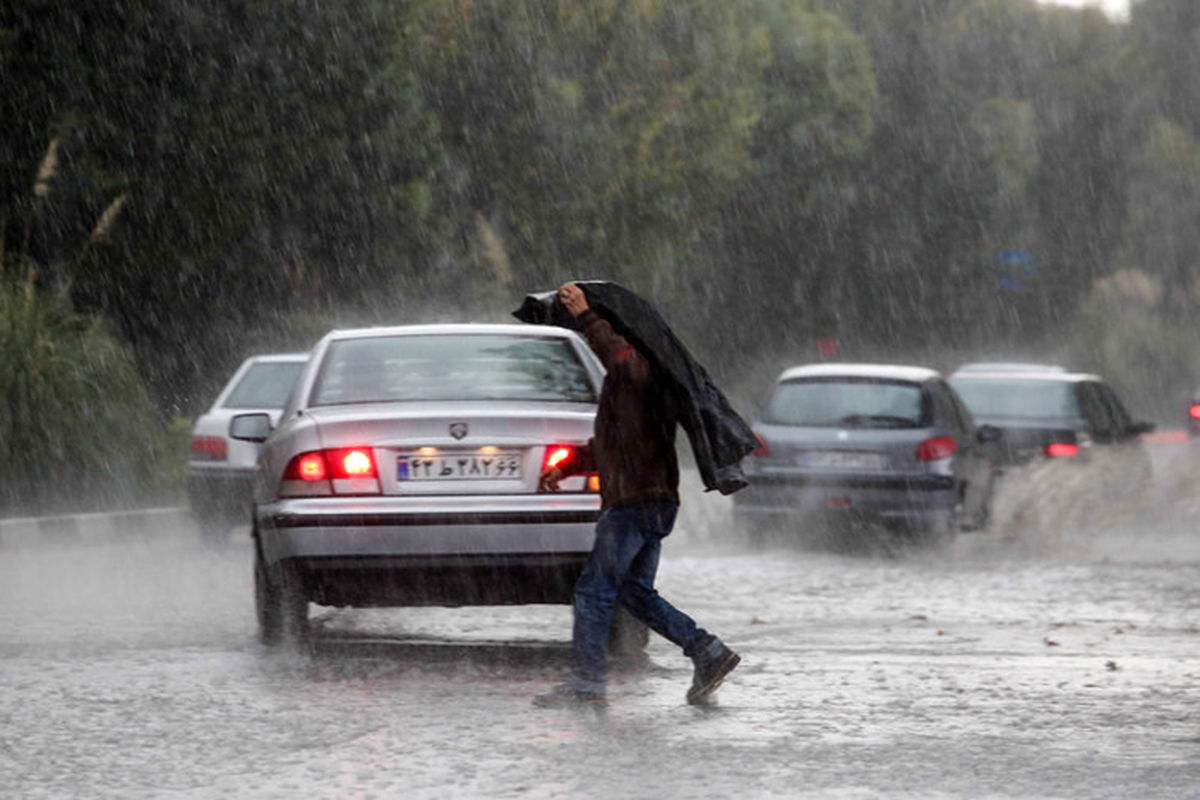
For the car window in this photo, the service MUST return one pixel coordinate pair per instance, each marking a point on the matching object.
(451, 367)
(1016, 397)
(848, 402)
(266, 384)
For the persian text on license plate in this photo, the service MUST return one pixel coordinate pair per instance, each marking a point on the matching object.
(459, 467)
(841, 459)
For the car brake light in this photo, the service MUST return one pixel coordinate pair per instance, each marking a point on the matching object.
(1059, 449)
(763, 448)
(558, 454)
(555, 455)
(208, 448)
(351, 462)
(346, 470)
(936, 448)
(1194, 411)
(307, 467)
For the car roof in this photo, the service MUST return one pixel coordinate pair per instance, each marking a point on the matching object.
(448, 328)
(1008, 366)
(845, 370)
(279, 357)
(1048, 376)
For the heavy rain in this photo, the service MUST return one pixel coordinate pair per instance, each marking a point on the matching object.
(193, 195)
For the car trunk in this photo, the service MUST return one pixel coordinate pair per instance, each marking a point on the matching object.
(473, 448)
(822, 450)
(1024, 438)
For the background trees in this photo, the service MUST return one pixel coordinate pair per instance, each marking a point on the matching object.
(919, 179)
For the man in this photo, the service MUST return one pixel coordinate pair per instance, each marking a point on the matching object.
(634, 451)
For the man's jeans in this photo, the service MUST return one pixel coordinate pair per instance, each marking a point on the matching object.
(621, 569)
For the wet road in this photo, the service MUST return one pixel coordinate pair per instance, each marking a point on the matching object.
(1056, 655)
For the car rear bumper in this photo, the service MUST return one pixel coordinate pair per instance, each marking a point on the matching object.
(886, 498)
(440, 551)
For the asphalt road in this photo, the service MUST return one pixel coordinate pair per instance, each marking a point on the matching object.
(1055, 655)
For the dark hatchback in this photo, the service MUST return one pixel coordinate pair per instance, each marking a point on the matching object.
(1050, 414)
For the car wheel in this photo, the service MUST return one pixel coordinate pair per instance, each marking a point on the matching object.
(627, 637)
(280, 605)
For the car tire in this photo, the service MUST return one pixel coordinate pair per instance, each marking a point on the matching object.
(627, 637)
(280, 605)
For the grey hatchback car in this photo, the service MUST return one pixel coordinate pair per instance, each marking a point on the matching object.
(404, 471)
(867, 443)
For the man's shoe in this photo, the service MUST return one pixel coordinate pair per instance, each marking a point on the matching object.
(564, 695)
(713, 662)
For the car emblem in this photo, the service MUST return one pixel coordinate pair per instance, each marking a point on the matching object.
(458, 430)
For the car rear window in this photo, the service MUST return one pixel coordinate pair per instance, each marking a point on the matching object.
(994, 397)
(265, 385)
(451, 367)
(848, 403)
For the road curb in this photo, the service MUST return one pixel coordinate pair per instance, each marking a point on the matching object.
(97, 525)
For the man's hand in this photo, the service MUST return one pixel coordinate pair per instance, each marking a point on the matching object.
(573, 299)
(548, 480)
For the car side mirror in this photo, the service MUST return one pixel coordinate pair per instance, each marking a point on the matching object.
(988, 433)
(250, 427)
(1138, 428)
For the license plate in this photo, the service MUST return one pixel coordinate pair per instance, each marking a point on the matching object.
(841, 459)
(459, 467)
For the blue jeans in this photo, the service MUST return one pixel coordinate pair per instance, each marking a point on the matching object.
(621, 569)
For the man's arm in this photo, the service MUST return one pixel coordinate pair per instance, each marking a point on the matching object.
(615, 352)
(581, 460)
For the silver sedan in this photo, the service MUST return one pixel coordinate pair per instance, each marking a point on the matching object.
(404, 471)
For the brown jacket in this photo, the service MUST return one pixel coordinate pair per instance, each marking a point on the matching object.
(633, 448)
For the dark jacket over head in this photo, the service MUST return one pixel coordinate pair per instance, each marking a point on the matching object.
(720, 438)
(634, 446)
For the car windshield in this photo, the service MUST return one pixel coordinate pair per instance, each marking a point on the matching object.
(993, 397)
(265, 385)
(847, 403)
(451, 367)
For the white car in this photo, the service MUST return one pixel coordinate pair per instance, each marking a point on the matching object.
(220, 470)
(404, 471)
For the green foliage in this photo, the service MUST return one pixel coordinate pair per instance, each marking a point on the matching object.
(75, 421)
(237, 176)
(1122, 332)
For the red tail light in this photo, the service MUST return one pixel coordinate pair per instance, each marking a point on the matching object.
(208, 448)
(1194, 411)
(346, 470)
(351, 462)
(1060, 449)
(763, 448)
(307, 467)
(557, 454)
(937, 448)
